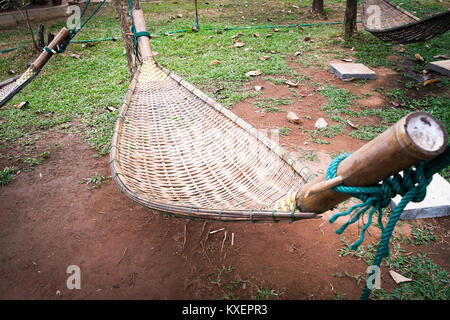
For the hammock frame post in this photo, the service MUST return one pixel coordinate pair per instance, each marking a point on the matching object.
(40, 61)
(398, 148)
(140, 25)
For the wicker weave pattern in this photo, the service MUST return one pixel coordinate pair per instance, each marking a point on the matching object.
(399, 26)
(6, 89)
(177, 151)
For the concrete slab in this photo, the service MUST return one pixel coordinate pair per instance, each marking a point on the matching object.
(345, 70)
(435, 204)
(443, 67)
(13, 18)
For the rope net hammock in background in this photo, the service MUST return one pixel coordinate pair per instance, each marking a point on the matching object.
(391, 23)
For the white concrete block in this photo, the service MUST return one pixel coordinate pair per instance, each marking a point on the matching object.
(435, 204)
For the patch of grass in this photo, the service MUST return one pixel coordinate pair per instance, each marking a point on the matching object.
(284, 131)
(96, 180)
(339, 296)
(336, 154)
(271, 104)
(364, 252)
(422, 235)
(357, 277)
(220, 271)
(32, 162)
(310, 155)
(339, 101)
(367, 133)
(7, 175)
(265, 293)
(328, 132)
(430, 280)
(233, 285)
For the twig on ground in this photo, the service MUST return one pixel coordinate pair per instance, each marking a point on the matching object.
(223, 241)
(123, 254)
(215, 231)
(185, 234)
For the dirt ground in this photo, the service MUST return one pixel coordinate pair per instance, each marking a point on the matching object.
(49, 221)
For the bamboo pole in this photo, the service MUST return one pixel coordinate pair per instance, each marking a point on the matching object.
(416, 137)
(40, 61)
(140, 25)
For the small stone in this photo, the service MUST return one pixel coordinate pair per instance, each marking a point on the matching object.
(321, 123)
(351, 71)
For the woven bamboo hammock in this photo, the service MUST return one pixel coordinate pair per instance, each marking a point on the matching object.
(177, 151)
(391, 23)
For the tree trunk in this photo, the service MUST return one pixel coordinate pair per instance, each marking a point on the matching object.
(123, 14)
(351, 12)
(317, 6)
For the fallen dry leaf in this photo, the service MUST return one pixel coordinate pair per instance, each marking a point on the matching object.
(179, 15)
(351, 124)
(258, 88)
(347, 60)
(217, 90)
(264, 58)
(349, 79)
(237, 35)
(307, 39)
(297, 53)
(398, 278)
(111, 109)
(20, 105)
(395, 104)
(304, 94)
(291, 83)
(214, 63)
(76, 56)
(254, 73)
(430, 81)
(419, 57)
(239, 44)
(256, 35)
(442, 56)
(268, 35)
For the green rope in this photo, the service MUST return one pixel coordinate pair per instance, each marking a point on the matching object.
(412, 187)
(205, 28)
(73, 32)
(136, 35)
